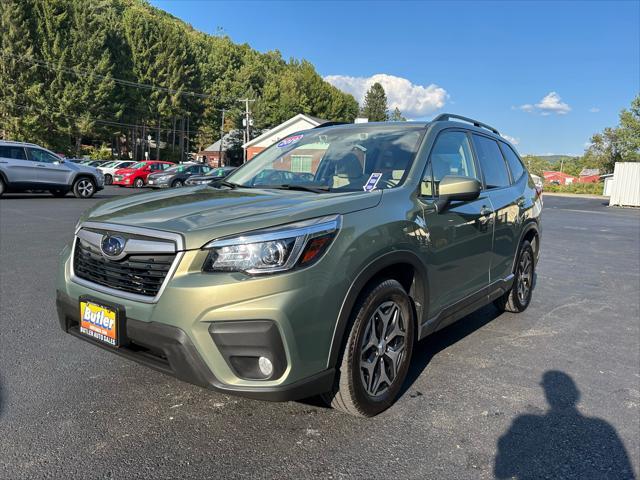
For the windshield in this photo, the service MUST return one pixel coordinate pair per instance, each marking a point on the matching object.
(217, 172)
(176, 169)
(137, 165)
(339, 159)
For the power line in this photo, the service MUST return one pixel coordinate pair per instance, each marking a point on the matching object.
(82, 72)
(96, 120)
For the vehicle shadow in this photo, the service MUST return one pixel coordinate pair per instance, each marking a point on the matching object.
(561, 442)
(429, 347)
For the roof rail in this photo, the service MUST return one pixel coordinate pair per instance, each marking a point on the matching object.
(443, 117)
(17, 142)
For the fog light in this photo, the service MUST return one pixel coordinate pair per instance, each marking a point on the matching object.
(266, 367)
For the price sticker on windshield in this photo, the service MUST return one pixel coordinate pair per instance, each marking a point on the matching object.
(288, 141)
(371, 184)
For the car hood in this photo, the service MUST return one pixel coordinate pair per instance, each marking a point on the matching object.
(203, 213)
(81, 168)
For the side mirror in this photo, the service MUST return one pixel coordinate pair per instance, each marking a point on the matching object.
(454, 188)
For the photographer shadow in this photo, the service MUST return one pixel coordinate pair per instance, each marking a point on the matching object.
(561, 443)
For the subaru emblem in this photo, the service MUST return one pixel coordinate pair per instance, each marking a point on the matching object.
(112, 246)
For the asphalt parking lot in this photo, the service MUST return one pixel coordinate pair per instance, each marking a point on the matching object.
(550, 393)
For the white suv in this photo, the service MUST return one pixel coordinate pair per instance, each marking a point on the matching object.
(26, 166)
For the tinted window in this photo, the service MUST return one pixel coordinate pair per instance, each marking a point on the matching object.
(8, 151)
(491, 162)
(38, 155)
(514, 162)
(451, 155)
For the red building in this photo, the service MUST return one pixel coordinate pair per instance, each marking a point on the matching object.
(559, 178)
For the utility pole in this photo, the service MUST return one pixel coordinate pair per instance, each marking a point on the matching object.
(188, 116)
(247, 123)
(158, 140)
(220, 162)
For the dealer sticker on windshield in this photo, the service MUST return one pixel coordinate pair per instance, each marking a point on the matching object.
(288, 141)
(371, 184)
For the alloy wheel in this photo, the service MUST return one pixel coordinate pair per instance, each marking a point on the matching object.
(525, 277)
(383, 348)
(85, 188)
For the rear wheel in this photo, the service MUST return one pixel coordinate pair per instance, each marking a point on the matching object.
(58, 193)
(2, 186)
(517, 299)
(84, 188)
(377, 353)
(138, 183)
(108, 179)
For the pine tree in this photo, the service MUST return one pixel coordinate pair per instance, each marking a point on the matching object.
(375, 104)
(20, 80)
(396, 116)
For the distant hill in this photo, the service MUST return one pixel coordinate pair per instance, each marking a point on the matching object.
(553, 158)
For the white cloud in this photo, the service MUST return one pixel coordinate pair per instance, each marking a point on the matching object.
(550, 103)
(513, 140)
(412, 100)
(594, 109)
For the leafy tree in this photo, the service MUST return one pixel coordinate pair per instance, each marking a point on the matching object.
(375, 104)
(396, 116)
(618, 144)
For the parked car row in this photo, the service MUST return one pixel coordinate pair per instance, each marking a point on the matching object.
(29, 167)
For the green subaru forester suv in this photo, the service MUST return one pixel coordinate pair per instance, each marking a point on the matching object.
(313, 269)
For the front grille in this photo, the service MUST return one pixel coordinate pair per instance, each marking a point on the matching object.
(139, 274)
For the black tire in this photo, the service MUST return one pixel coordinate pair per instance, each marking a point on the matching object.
(84, 187)
(3, 188)
(108, 179)
(59, 193)
(138, 182)
(352, 392)
(518, 298)
(177, 184)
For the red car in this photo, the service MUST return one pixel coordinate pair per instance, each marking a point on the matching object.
(136, 175)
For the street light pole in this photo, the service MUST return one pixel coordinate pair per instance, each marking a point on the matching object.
(220, 162)
(247, 122)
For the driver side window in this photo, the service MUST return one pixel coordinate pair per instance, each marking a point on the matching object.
(37, 155)
(451, 155)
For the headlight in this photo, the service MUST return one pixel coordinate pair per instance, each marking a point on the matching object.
(273, 250)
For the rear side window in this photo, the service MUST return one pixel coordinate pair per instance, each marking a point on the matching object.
(491, 162)
(514, 162)
(8, 151)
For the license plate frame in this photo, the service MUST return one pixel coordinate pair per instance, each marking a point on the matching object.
(115, 335)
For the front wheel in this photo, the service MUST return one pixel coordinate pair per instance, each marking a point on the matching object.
(2, 187)
(517, 299)
(84, 188)
(177, 184)
(138, 183)
(108, 179)
(377, 353)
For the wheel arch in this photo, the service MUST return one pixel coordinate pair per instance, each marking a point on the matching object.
(405, 267)
(531, 233)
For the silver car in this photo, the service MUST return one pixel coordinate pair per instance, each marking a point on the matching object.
(26, 166)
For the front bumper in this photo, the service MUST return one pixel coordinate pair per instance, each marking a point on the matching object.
(303, 306)
(169, 349)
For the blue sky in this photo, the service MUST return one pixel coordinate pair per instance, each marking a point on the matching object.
(548, 74)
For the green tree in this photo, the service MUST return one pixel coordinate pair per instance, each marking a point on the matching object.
(396, 116)
(375, 104)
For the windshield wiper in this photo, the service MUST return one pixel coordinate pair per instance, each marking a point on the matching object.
(224, 183)
(303, 188)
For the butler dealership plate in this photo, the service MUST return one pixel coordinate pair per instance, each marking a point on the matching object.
(99, 322)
